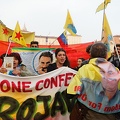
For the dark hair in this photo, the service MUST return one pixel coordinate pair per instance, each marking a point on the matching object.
(2, 56)
(58, 50)
(88, 48)
(117, 45)
(66, 63)
(47, 54)
(98, 50)
(34, 42)
(82, 59)
(17, 56)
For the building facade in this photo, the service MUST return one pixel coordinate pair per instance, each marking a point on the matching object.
(51, 40)
(116, 40)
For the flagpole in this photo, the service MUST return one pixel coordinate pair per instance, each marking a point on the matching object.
(7, 49)
(8, 46)
(50, 44)
(103, 22)
(66, 38)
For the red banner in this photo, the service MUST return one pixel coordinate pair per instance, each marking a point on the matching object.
(73, 51)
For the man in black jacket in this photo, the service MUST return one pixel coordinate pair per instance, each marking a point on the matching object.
(114, 59)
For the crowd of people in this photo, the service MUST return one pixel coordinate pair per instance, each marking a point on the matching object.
(97, 77)
(44, 63)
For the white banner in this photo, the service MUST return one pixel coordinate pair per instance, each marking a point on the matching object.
(37, 97)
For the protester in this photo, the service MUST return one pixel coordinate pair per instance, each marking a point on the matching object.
(96, 88)
(115, 58)
(88, 52)
(16, 66)
(34, 44)
(79, 62)
(61, 60)
(2, 58)
(45, 59)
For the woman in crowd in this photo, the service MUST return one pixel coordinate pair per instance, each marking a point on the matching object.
(16, 62)
(61, 60)
(16, 66)
(79, 62)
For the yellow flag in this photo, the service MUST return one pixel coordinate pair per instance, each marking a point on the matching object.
(107, 34)
(29, 36)
(106, 28)
(69, 26)
(17, 36)
(107, 1)
(100, 7)
(5, 33)
(103, 5)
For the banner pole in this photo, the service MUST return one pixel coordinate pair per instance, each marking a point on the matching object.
(8, 46)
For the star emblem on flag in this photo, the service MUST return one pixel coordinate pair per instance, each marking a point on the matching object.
(18, 35)
(5, 31)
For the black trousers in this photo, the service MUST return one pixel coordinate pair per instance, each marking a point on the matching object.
(81, 112)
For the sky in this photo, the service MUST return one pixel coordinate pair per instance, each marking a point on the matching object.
(47, 17)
